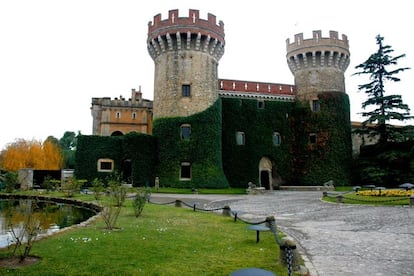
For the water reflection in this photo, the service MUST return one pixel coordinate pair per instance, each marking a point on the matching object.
(51, 216)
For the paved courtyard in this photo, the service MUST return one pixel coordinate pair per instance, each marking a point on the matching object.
(335, 239)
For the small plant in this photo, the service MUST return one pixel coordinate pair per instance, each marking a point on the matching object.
(49, 183)
(70, 186)
(97, 188)
(139, 201)
(117, 195)
(110, 214)
(24, 235)
(117, 191)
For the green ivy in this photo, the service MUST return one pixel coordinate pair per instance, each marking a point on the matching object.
(241, 161)
(139, 148)
(330, 157)
(202, 150)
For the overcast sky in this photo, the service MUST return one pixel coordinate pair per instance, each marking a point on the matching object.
(56, 55)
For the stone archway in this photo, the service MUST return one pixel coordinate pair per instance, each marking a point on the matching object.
(265, 173)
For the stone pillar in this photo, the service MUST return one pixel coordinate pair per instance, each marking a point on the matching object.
(25, 178)
(157, 183)
(226, 211)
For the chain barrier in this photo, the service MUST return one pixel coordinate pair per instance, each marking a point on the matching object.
(269, 221)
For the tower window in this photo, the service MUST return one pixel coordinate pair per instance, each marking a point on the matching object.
(315, 105)
(134, 115)
(118, 114)
(277, 139)
(186, 90)
(185, 132)
(312, 138)
(185, 172)
(240, 138)
(260, 104)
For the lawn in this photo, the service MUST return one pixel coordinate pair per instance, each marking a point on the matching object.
(164, 240)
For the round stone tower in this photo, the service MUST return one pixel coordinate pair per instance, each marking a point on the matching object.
(186, 51)
(318, 64)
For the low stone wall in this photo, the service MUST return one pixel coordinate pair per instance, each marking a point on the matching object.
(87, 205)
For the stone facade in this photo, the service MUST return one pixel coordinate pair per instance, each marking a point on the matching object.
(120, 116)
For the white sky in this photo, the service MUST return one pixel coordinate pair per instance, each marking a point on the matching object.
(56, 55)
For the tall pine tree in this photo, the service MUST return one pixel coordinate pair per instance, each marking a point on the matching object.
(380, 67)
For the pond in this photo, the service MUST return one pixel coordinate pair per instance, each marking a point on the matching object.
(51, 216)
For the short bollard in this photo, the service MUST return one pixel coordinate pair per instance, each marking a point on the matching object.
(178, 203)
(226, 211)
(289, 255)
(411, 201)
(340, 199)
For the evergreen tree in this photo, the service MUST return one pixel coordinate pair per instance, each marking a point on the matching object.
(377, 67)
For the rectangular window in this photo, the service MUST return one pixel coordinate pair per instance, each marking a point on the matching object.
(105, 165)
(185, 132)
(312, 138)
(186, 90)
(240, 138)
(185, 173)
(260, 104)
(315, 105)
(276, 138)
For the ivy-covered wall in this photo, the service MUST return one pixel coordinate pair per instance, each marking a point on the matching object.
(202, 150)
(331, 156)
(140, 149)
(241, 162)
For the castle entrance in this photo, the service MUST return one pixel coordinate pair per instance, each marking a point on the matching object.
(266, 168)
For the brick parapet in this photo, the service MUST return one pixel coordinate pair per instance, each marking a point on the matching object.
(256, 87)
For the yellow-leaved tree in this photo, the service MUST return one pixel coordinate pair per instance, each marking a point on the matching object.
(31, 154)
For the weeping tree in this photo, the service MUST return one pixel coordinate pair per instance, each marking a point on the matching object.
(381, 68)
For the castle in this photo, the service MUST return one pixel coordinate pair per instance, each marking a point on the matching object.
(212, 132)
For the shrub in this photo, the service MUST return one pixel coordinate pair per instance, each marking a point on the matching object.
(140, 199)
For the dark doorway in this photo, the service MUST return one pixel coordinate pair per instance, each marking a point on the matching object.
(264, 179)
(127, 171)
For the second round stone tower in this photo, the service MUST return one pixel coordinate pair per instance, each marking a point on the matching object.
(318, 64)
(186, 52)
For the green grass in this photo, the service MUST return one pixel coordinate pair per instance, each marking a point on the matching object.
(352, 198)
(164, 240)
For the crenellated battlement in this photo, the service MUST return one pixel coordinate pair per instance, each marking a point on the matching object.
(318, 51)
(317, 40)
(193, 23)
(185, 33)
